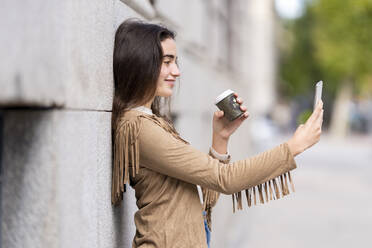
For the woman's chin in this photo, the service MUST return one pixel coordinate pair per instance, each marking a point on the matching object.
(166, 93)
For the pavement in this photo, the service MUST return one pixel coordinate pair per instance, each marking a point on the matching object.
(332, 205)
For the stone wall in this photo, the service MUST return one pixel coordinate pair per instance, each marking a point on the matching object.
(56, 97)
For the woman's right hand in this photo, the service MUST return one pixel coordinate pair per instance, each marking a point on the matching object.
(306, 135)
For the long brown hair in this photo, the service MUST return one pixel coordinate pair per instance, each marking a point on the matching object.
(137, 60)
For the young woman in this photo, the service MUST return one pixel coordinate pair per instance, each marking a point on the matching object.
(163, 168)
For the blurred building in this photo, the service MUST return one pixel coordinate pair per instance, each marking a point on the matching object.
(56, 99)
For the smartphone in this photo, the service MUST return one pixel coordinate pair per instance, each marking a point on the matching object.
(318, 92)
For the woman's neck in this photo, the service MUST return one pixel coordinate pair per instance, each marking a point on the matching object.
(149, 103)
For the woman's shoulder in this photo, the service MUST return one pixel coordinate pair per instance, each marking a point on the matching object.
(149, 123)
(138, 121)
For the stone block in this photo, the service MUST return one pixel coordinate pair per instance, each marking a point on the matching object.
(59, 53)
(56, 185)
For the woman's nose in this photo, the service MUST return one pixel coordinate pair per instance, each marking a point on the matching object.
(175, 71)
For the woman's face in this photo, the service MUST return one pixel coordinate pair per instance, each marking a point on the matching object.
(169, 69)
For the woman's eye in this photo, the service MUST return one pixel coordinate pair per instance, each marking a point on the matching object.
(167, 62)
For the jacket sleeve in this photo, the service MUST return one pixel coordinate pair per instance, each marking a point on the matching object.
(210, 196)
(266, 172)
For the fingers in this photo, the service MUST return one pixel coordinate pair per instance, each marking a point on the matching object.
(319, 121)
(245, 115)
(219, 114)
(240, 101)
(320, 104)
(319, 115)
(238, 121)
(315, 115)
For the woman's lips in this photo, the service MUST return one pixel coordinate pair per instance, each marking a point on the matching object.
(170, 82)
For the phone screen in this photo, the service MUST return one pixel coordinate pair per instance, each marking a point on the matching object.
(318, 92)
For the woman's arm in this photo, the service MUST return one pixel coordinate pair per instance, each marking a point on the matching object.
(162, 152)
(144, 141)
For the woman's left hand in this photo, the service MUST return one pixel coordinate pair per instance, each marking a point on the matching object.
(222, 127)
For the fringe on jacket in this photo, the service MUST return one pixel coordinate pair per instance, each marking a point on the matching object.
(126, 151)
(270, 190)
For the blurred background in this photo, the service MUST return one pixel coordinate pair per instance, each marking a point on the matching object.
(56, 101)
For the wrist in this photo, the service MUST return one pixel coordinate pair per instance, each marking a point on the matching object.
(293, 147)
(219, 137)
(219, 144)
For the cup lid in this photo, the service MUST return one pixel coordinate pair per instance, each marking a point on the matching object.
(223, 95)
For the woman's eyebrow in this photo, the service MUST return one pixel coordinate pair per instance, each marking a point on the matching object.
(169, 56)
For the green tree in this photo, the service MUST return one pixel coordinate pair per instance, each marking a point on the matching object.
(298, 69)
(332, 41)
(342, 37)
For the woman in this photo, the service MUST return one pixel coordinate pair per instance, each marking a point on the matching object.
(162, 167)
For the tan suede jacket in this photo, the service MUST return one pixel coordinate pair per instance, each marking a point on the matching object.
(164, 170)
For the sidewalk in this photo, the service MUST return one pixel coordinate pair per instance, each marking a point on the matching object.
(332, 205)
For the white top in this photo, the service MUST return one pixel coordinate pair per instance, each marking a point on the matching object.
(223, 95)
(144, 109)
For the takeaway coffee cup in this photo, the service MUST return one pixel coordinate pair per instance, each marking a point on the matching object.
(226, 101)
